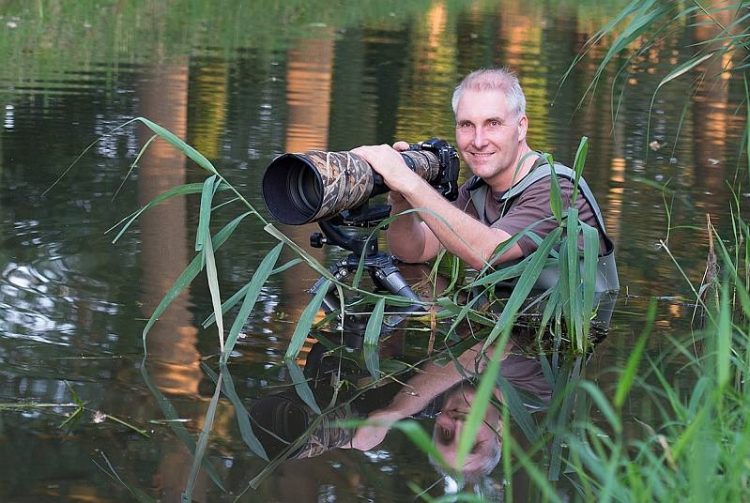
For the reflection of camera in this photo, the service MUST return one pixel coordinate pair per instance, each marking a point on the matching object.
(316, 185)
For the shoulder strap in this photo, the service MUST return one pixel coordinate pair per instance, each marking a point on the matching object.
(480, 193)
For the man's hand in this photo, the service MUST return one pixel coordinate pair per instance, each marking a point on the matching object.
(387, 162)
(372, 434)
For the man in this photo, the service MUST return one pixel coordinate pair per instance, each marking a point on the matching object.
(491, 127)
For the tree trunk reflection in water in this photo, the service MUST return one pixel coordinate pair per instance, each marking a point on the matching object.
(174, 361)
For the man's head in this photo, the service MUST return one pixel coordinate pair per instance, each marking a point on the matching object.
(491, 125)
(494, 79)
(486, 449)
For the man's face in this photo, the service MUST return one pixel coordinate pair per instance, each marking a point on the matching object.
(489, 135)
(450, 423)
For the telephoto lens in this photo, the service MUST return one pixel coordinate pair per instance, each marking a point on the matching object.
(316, 185)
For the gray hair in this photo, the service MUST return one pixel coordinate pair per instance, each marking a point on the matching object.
(493, 79)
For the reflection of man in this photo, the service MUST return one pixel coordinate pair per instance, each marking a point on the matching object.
(451, 380)
(495, 203)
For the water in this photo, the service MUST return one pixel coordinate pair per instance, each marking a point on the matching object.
(243, 84)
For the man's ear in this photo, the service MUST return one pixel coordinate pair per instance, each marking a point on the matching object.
(523, 127)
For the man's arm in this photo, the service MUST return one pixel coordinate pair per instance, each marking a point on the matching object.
(442, 223)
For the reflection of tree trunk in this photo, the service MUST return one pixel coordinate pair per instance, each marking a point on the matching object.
(711, 119)
(173, 357)
(208, 95)
(164, 234)
(309, 82)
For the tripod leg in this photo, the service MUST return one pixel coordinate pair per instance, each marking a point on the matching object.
(331, 301)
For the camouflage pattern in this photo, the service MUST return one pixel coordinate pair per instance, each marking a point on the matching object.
(346, 180)
(424, 163)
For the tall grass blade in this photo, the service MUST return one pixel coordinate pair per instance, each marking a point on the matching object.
(204, 219)
(419, 437)
(242, 292)
(548, 491)
(580, 161)
(200, 449)
(176, 426)
(372, 360)
(603, 404)
(555, 199)
(724, 338)
(253, 291)
(188, 275)
(212, 276)
(301, 386)
(375, 323)
(305, 322)
(180, 190)
(243, 417)
(564, 393)
(179, 144)
(518, 410)
(631, 367)
(525, 284)
(590, 259)
(482, 398)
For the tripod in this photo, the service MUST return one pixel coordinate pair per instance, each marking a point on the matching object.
(381, 266)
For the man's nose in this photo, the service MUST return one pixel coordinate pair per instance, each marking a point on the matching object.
(480, 139)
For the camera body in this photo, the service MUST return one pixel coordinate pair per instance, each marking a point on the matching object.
(318, 185)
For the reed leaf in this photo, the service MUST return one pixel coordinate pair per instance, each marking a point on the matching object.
(305, 322)
(242, 292)
(420, 439)
(243, 417)
(525, 284)
(253, 291)
(590, 260)
(580, 161)
(200, 448)
(301, 386)
(179, 144)
(188, 275)
(518, 410)
(372, 360)
(180, 190)
(212, 276)
(175, 425)
(204, 219)
(724, 339)
(482, 398)
(631, 367)
(375, 323)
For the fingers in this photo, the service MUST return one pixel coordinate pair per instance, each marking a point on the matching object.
(401, 146)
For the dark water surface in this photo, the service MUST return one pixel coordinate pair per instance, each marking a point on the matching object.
(244, 84)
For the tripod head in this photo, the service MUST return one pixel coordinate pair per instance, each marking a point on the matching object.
(362, 216)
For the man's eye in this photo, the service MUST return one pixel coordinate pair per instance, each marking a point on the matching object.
(495, 123)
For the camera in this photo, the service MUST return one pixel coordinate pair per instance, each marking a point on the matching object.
(299, 188)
